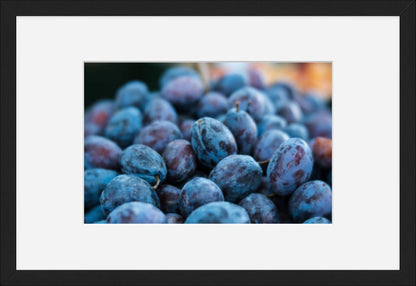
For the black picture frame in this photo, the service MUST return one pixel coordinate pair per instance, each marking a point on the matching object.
(405, 9)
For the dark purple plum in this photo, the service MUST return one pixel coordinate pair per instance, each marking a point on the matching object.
(180, 160)
(268, 143)
(290, 166)
(322, 151)
(260, 209)
(159, 109)
(256, 78)
(297, 130)
(136, 212)
(219, 212)
(124, 126)
(158, 134)
(243, 128)
(95, 181)
(183, 92)
(175, 72)
(291, 112)
(310, 200)
(94, 215)
(197, 192)
(186, 127)
(251, 100)
(237, 176)
(100, 152)
(169, 197)
(97, 116)
(230, 83)
(133, 93)
(144, 162)
(212, 104)
(127, 188)
(319, 124)
(174, 218)
(212, 141)
(317, 219)
(269, 122)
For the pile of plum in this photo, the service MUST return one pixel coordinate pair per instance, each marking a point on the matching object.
(231, 151)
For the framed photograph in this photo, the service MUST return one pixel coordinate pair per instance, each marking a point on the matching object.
(202, 143)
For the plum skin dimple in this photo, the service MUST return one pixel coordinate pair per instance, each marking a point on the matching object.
(144, 162)
(311, 199)
(136, 212)
(290, 166)
(212, 141)
(219, 212)
(237, 176)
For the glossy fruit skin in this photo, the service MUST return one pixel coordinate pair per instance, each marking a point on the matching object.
(291, 112)
(212, 104)
(237, 176)
(97, 116)
(124, 126)
(169, 197)
(175, 72)
(174, 218)
(133, 93)
(317, 219)
(95, 181)
(311, 199)
(197, 192)
(180, 160)
(268, 143)
(260, 209)
(270, 122)
(212, 141)
(127, 188)
(243, 128)
(251, 100)
(94, 215)
(183, 92)
(159, 109)
(158, 134)
(322, 151)
(100, 152)
(136, 212)
(144, 162)
(290, 166)
(219, 212)
(297, 130)
(230, 83)
(185, 128)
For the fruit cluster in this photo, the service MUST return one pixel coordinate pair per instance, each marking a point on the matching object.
(231, 151)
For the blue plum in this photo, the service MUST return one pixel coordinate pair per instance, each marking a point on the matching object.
(319, 124)
(180, 160)
(260, 209)
(264, 187)
(134, 93)
(297, 130)
(169, 197)
(158, 134)
(269, 122)
(256, 78)
(95, 181)
(237, 176)
(100, 152)
(136, 212)
(185, 127)
(174, 218)
(310, 200)
(159, 109)
(287, 89)
(127, 188)
(183, 92)
(212, 104)
(144, 162)
(197, 192)
(291, 111)
(251, 100)
(124, 126)
(212, 141)
(219, 212)
(97, 116)
(230, 83)
(290, 166)
(175, 72)
(243, 128)
(322, 151)
(94, 215)
(317, 219)
(268, 143)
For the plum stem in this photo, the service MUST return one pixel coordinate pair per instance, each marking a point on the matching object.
(237, 106)
(157, 183)
(263, 162)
